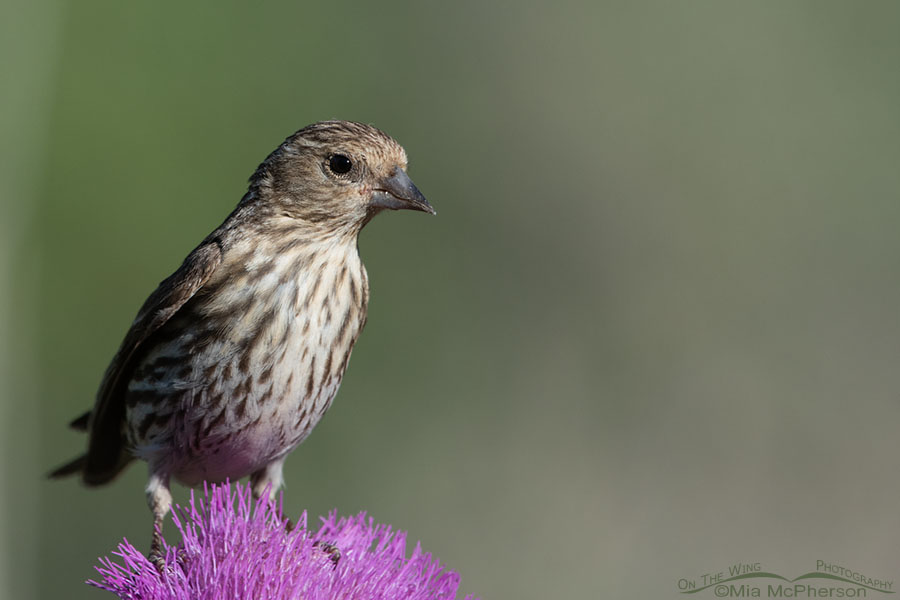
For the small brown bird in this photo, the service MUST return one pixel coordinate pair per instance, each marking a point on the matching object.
(236, 356)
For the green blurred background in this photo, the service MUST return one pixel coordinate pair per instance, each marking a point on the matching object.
(653, 331)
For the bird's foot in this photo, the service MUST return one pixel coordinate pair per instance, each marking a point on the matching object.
(330, 550)
(157, 555)
(158, 559)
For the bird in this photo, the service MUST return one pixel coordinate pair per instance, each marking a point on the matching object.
(236, 356)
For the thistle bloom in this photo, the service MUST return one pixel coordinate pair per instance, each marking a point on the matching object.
(233, 550)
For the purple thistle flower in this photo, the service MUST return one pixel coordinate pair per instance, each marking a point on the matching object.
(233, 550)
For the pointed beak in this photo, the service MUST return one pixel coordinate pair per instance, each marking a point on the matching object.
(397, 192)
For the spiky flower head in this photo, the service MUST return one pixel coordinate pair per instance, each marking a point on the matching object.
(235, 549)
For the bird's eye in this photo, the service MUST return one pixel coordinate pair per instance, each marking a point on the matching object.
(340, 164)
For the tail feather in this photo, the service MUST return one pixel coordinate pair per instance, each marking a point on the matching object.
(81, 423)
(93, 475)
(79, 466)
(107, 456)
(74, 467)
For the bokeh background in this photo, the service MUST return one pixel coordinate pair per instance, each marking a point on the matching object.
(653, 331)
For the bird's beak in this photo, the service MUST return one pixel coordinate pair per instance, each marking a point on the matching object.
(397, 192)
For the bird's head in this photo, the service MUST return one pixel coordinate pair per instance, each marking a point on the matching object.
(337, 173)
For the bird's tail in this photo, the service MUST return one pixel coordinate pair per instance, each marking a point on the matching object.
(73, 467)
(112, 459)
(76, 466)
(91, 476)
(82, 422)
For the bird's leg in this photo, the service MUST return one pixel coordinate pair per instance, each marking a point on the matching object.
(270, 479)
(159, 498)
(156, 555)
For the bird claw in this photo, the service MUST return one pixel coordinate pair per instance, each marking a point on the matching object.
(332, 551)
(181, 557)
(158, 556)
(158, 560)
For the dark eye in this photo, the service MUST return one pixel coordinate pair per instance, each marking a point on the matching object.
(340, 164)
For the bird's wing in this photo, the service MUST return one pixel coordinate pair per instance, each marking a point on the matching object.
(106, 445)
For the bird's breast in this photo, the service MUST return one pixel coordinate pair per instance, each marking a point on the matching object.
(268, 342)
(295, 318)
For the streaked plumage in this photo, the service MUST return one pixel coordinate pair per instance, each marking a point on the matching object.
(236, 356)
